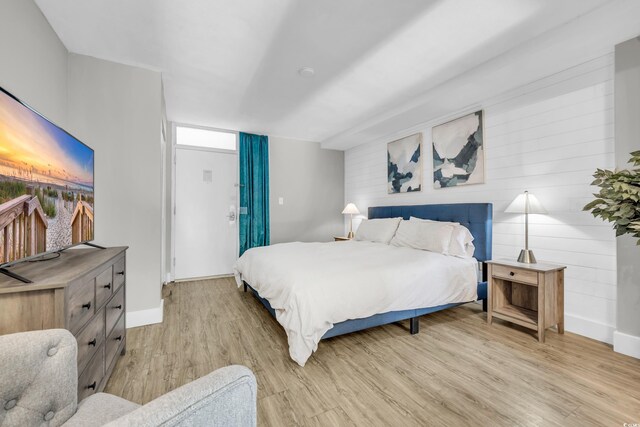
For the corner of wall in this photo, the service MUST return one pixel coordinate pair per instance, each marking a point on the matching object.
(626, 344)
(145, 317)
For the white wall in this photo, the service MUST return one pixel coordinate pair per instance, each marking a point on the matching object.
(311, 182)
(117, 110)
(165, 159)
(546, 137)
(34, 61)
(168, 206)
(627, 117)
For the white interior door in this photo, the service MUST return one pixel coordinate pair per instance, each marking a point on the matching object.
(206, 233)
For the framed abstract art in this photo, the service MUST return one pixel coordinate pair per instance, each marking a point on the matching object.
(404, 165)
(458, 151)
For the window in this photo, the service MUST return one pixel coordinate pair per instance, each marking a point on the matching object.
(206, 138)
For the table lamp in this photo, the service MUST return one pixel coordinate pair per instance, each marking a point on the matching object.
(352, 210)
(527, 204)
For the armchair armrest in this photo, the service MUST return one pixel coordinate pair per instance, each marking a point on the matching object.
(225, 397)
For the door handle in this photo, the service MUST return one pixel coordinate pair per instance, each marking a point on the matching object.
(232, 216)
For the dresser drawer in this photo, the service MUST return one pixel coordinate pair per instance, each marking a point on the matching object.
(81, 304)
(515, 274)
(114, 341)
(119, 273)
(115, 308)
(104, 286)
(90, 379)
(89, 340)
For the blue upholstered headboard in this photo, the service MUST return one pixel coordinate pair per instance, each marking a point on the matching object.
(477, 217)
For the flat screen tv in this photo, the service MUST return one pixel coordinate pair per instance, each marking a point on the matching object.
(46, 185)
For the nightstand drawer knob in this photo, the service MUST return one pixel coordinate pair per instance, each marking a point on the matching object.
(511, 273)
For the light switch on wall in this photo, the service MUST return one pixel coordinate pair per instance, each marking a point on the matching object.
(281, 200)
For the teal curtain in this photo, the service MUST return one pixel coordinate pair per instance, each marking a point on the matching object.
(254, 191)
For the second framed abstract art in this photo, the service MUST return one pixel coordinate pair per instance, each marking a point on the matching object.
(458, 151)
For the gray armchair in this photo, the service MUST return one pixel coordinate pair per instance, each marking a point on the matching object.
(38, 387)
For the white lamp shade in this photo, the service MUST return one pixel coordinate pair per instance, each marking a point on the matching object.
(351, 209)
(526, 203)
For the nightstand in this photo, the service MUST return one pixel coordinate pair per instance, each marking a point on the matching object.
(340, 239)
(529, 295)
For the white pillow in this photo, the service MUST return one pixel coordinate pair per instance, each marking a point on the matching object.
(377, 230)
(461, 240)
(469, 250)
(428, 236)
(461, 245)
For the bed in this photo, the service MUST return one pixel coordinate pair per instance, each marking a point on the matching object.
(291, 304)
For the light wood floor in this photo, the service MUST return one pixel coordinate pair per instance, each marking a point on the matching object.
(457, 371)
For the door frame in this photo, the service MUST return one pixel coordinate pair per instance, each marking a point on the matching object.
(174, 147)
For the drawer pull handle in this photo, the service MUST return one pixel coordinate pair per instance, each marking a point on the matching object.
(87, 305)
(120, 273)
(92, 386)
(93, 342)
(118, 307)
(511, 273)
(107, 286)
(118, 338)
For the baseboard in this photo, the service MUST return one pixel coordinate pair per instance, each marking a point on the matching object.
(626, 344)
(145, 317)
(193, 279)
(588, 328)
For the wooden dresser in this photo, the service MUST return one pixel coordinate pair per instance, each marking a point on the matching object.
(83, 291)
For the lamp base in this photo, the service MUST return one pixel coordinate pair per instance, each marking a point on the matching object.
(351, 235)
(526, 256)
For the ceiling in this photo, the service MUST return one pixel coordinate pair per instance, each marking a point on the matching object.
(233, 64)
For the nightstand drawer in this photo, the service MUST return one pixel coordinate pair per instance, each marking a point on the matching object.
(515, 274)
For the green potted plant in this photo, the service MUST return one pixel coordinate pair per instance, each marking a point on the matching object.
(619, 198)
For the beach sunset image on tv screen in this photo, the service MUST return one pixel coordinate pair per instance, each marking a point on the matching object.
(46, 184)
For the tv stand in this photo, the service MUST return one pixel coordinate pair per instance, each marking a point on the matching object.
(14, 275)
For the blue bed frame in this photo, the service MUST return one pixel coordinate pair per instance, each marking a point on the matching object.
(477, 217)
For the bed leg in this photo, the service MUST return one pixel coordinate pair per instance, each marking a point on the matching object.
(245, 286)
(414, 325)
(484, 305)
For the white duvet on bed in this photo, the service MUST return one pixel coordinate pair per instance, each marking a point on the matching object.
(312, 286)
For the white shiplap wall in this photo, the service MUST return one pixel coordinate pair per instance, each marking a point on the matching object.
(547, 137)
